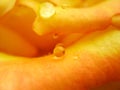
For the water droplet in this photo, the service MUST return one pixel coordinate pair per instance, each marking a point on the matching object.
(47, 10)
(55, 36)
(59, 50)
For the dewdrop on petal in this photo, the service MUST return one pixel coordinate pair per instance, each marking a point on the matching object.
(6, 5)
(59, 50)
(47, 10)
(55, 36)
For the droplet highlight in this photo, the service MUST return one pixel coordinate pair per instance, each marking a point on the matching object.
(76, 57)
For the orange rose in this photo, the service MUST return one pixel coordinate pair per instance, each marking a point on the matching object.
(59, 45)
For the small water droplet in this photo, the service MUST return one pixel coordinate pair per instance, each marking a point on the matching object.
(59, 50)
(55, 36)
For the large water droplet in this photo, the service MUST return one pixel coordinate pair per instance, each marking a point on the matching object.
(47, 10)
(59, 50)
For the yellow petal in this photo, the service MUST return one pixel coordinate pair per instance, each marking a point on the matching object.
(6, 5)
(116, 21)
(12, 43)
